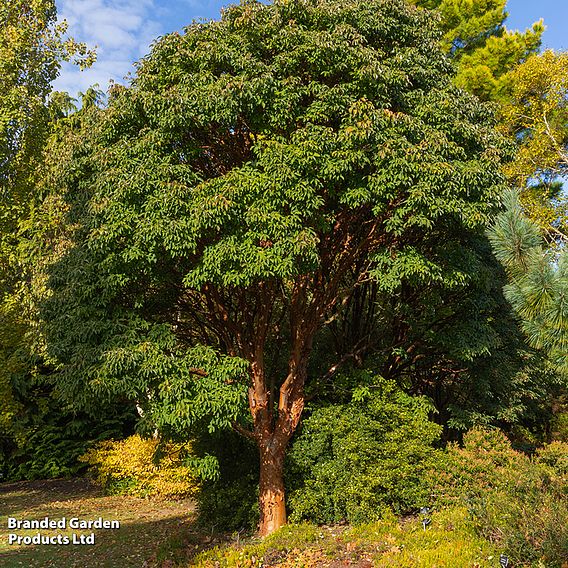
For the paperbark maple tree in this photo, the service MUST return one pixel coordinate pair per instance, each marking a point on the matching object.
(257, 172)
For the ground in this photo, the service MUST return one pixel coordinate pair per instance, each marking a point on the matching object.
(162, 534)
(144, 525)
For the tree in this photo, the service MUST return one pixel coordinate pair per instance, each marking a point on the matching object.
(485, 51)
(32, 46)
(538, 287)
(535, 112)
(504, 66)
(227, 205)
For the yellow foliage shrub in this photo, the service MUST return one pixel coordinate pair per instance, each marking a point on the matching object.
(129, 467)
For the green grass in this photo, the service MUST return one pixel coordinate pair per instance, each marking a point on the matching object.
(160, 534)
(449, 542)
(144, 525)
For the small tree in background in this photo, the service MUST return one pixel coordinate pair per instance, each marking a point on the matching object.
(226, 206)
(32, 46)
(535, 112)
(504, 66)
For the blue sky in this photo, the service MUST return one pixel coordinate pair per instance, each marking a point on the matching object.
(123, 30)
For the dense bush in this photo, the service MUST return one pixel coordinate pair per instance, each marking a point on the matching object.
(356, 460)
(560, 425)
(229, 502)
(517, 501)
(142, 467)
(47, 439)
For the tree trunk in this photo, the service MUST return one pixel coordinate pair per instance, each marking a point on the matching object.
(272, 436)
(271, 488)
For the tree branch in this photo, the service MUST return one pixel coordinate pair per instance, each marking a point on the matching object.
(243, 431)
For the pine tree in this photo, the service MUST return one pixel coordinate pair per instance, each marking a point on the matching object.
(484, 49)
(538, 280)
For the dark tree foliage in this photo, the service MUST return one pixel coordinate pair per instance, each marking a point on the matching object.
(458, 344)
(49, 436)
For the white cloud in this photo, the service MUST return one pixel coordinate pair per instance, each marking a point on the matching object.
(122, 30)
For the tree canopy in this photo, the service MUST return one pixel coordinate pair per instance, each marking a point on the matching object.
(225, 208)
(536, 114)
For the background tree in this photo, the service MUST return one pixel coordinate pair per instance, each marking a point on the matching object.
(32, 46)
(504, 66)
(224, 208)
(538, 281)
(535, 112)
(485, 51)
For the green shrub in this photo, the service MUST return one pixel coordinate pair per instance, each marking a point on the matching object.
(517, 501)
(354, 461)
(51, 439)
(560, 426)
(230, 501)
(555, 456)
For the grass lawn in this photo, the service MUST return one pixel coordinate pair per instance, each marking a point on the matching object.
(144, 526)
(449, 542)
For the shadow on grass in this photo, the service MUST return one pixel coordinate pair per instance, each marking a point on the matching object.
(133, 545)
(152, 532)
(16, 498)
